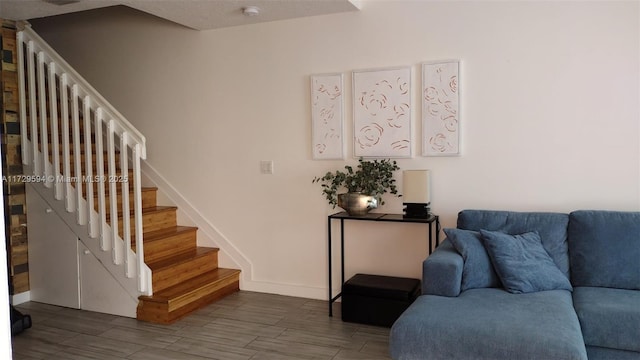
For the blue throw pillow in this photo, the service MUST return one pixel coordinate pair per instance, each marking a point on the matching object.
(522, 263)
(477, 271)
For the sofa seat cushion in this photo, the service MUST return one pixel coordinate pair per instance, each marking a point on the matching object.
(600, 353)
(610, 318)
(489, 324)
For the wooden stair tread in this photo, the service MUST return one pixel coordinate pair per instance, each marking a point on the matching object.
(119, 191)
(180, 258)
(145, 211)
(158, 209)
(157, 235)
(185, 288)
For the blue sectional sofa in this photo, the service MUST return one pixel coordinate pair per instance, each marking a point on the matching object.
(528, 285)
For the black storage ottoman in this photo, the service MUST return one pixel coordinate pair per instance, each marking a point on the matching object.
(377, 300)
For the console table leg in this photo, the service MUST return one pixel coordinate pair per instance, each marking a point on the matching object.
(341, 252)
(430, 243)
(330, 265)
(437, 230)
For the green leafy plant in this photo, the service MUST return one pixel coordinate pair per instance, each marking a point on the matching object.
(373, 178)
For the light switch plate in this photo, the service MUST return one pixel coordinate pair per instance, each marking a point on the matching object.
(266, 166)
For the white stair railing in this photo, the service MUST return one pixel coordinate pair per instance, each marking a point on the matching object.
(62, 119)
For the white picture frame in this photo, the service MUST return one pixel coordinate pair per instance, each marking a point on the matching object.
(327, 113)
(382, 113)
(440, 96)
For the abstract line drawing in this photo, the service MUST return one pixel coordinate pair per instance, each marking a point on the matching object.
(326, 116)
(441, 108)
(382, 113)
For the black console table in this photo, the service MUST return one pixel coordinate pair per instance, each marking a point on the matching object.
(433, 221)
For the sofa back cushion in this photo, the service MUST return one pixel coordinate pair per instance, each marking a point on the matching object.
(552, 228)
(604, 247)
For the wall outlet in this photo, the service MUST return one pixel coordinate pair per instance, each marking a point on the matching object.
(266, 167)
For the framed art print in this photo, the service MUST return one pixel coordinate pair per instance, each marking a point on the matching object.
(327, 116)
(382, 112)
(441, 108)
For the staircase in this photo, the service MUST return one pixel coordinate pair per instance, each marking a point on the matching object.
(185, 277)
(84, 155)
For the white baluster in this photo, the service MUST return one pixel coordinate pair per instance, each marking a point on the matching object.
(113, 192)
(55, 139)
(102, 210)
(44, 131)
(66, 144)
(33, 109)
(137, 203)
(126, 212)
(88, 160)
(75, 110)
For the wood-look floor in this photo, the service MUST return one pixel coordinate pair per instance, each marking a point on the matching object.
(242, 326)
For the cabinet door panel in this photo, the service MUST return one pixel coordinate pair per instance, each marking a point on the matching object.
(53, 259)
(100, 291)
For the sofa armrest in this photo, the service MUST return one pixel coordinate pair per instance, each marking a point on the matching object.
(442, 271)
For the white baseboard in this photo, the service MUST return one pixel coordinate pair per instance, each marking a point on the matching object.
(21, 298)
(296, 290)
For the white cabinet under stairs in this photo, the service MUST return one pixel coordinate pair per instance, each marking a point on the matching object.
(63, 271)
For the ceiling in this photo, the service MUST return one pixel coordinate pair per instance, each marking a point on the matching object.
(195, 14)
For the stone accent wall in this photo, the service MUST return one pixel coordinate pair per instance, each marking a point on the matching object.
(14, 191)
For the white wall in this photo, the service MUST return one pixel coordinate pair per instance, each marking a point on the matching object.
(550, 116)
